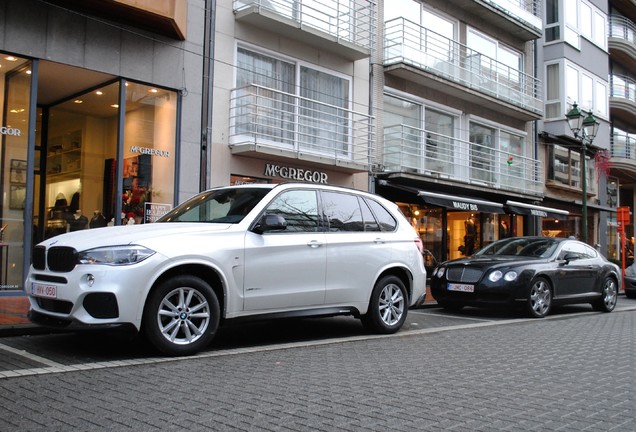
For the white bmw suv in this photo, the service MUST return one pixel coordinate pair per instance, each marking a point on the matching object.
(250, 251)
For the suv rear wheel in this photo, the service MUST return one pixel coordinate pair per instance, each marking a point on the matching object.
(388, 306)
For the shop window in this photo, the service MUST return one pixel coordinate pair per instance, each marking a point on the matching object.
(149, 153)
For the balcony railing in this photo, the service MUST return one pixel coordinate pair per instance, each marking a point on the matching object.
(526, 11)
(412, 44)
(622, 28)
(623, 87)
(409, 149)
(307, 128)
(623, 145)
(352, 21)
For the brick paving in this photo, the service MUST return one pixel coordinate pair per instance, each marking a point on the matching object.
(572, 373)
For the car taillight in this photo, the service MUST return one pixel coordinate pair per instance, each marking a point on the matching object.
(419, 244)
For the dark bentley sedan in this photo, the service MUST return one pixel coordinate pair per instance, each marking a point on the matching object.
(535, 273)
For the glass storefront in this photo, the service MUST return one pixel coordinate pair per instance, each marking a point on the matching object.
(98, 156)
(448, 234)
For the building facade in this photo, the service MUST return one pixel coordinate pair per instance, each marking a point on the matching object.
(457, 98)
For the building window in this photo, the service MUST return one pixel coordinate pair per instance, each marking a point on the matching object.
(564, 168)
(293, 105)
(589, 91)
(582, 18)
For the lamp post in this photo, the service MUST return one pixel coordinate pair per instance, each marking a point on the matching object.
(584, 129)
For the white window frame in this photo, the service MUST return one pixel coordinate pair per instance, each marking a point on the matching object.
(297, 65)
(594, 29)
(600, 104)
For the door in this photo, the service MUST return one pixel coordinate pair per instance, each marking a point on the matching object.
(286, 269)
(578, 276)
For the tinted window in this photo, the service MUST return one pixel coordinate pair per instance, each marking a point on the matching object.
(342, 212)
(382, 215)
(579, 250)
(299, 208)
(528, 247)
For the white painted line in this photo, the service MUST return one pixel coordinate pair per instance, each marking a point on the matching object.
(30, 356)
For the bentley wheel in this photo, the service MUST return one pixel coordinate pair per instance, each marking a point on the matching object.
(539, 298)
(181, 316)
(388, 306)
(609, 296)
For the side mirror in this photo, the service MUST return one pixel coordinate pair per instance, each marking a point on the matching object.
(270, 222)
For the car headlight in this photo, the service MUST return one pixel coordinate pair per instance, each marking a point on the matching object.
(439, 272)
(115, 255)
(498, 274)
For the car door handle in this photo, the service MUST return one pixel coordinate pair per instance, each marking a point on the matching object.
(379, 241)
(314, 244)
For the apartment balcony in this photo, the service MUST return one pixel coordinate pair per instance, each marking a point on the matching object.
(622, 41)
(345, 27)
(416, 151)
(270, 124)
(520, 18)
(417, 54)
(623, 153)
(622, 101)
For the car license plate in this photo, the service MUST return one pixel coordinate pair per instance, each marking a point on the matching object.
(41, 290)
(461, 287)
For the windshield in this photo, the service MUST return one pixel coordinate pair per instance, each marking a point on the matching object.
(526, 247)
(217, 206)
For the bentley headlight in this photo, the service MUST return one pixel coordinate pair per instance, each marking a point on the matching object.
(510, 276)
(495, 276)
(115, 255)
(440, 272)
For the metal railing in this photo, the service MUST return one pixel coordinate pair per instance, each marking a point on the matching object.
(526, 11)
(276, 119)
(622, 28)
(410, 43)
(623, 145)
(348, 20)
(409, 149)
(623, 87)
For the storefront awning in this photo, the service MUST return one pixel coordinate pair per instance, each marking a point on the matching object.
(460, 203)
(534, 210)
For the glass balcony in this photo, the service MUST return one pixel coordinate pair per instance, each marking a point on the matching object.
(408, 149)
(622, 40)
(526, 13)
(623, 145)
(347, 27)
(492, 83)
(272, 122)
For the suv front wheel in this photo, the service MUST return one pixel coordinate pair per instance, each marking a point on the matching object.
(181, 315)
(388, 306)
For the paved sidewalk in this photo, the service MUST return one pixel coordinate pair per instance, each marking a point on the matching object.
(567, 373)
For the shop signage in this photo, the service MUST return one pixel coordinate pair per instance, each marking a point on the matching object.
(9, 131)
(297, 174)
(149, 151)
(539, 213)
(465, 206)
(153, 211)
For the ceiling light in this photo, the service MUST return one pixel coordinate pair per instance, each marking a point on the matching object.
(99, 92)
(28, 72)
(11, 58)
(114, 106)
(78, 101)
(153, 90)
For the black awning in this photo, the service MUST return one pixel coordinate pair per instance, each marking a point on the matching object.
(534, 210)
(449, 201)
(460, 203)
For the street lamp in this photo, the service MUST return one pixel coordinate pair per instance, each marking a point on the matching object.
(584, 129)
